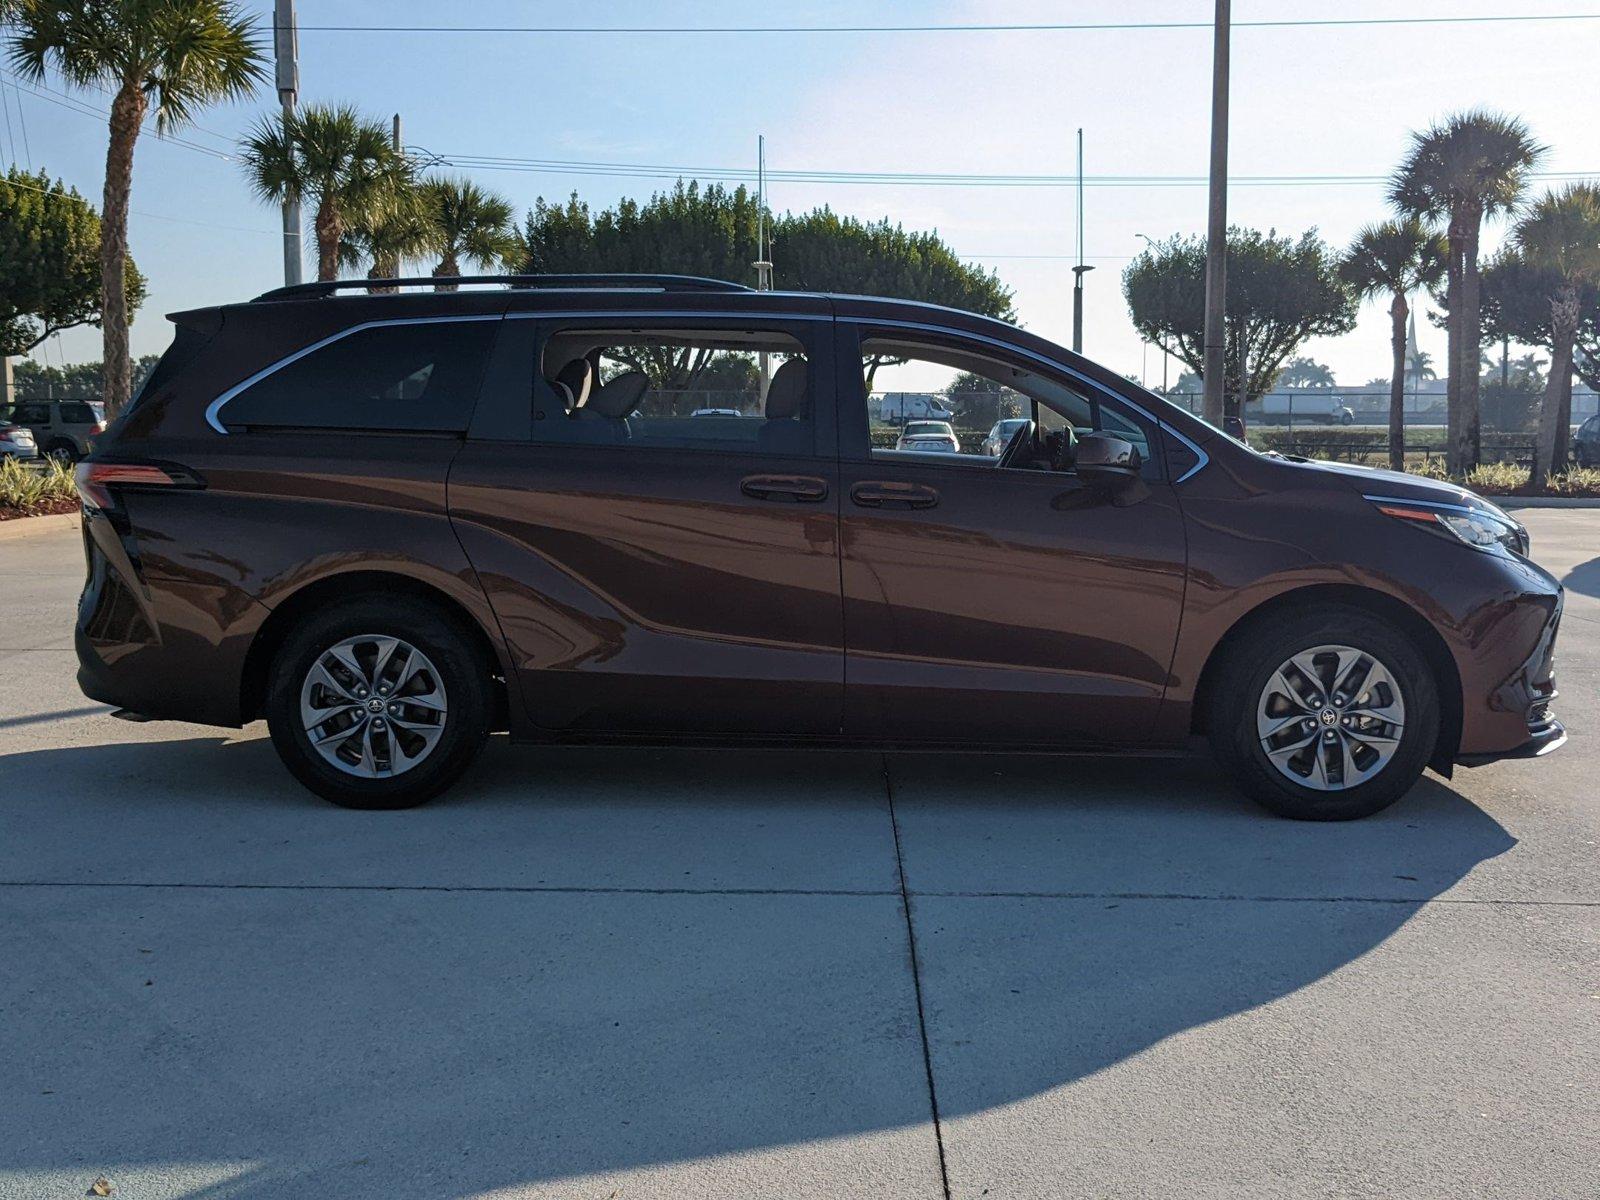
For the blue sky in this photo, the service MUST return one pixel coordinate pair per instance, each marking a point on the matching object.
(1320, 101)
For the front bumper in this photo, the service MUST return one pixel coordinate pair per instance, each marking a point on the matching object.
(1544, 735)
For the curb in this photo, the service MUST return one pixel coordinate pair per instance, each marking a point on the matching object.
(1510, 502)
(22, 527)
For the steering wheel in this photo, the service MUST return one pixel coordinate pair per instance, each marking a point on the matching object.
(1021, 438)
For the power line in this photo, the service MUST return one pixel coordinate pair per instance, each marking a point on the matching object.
(485, 162)
(73, 104)
(1028, 27)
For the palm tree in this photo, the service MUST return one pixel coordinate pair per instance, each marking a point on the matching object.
(1475, 164)
(390, 228)
(173, 56)
(468, 223)
(1395, 259)
(1561, 234)
(329, 154)
(1420, 364)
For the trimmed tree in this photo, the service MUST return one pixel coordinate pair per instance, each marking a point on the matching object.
(1281, 292)
(50, 262)
(171, 56)
(1395, 259)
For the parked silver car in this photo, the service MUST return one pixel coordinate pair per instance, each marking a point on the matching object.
(934, 436)
(1000, 435)
(61, 428)
(16, 441)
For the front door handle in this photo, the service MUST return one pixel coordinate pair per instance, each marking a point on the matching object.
(883, 493)
(796, 489)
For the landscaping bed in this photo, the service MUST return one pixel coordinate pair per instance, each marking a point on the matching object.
(36, 490)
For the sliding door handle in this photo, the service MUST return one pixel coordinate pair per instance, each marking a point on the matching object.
(880, 493)
(795, 489)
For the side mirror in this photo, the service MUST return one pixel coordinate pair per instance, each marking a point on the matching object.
(1107, 461)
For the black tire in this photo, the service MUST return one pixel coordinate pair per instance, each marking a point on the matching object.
(465, 677)
(64, 452)
(1244, 674)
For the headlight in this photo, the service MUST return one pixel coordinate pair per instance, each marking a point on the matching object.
(1484, 528)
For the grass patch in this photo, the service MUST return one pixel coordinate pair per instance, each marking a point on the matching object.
(32, 491)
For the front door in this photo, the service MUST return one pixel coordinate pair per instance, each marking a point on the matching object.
(661, 548)
(989, 603)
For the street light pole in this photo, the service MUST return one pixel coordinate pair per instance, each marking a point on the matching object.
(1151, 245)
(1079, 271)
(286, 48)
(763, 264)
(1217, 225)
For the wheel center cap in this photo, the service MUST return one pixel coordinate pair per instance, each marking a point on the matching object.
(375, 705)
(1328, 717)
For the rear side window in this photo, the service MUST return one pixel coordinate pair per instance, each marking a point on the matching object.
(417, 376)
(76, 412)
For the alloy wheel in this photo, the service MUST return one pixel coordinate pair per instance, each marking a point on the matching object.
(1330, 717)
(373, 706)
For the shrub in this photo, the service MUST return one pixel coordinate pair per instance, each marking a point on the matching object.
(30, 490)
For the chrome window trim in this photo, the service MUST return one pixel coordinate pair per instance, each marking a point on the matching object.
(215, 407)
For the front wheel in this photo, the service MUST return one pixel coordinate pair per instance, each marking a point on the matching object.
(378, 702)
(1327, 715)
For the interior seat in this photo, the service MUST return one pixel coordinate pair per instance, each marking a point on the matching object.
(787, 429)
(572, 383)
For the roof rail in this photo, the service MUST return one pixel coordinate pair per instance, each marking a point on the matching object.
(661, 283)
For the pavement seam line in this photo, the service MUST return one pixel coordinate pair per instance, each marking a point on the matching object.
(916, 977)
(869, 893)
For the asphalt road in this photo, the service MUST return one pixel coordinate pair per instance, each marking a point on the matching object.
(643, 974)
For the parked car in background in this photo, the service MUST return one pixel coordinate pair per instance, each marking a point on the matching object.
(379, 522)
(16, 441)
(1586, 443)
(1000, 435)
(62, 429)
(936, 437)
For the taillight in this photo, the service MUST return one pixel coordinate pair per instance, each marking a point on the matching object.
(95, 479)
(97, 429)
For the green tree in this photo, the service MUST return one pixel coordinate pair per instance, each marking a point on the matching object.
(1394, 259)
(175, 56)
(1303, 372)
(711, 231)
(1473, 165)
(1281, 291)
(50, 262)
(467, 222)
(330, 156)
(78, 381)
(1560, 235)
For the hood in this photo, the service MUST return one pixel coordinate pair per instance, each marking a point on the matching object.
(1398, 484)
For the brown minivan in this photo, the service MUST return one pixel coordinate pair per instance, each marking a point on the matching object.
(656, 508)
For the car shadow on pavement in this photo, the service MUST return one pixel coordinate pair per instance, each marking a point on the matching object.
(1585, 578)
(213, 978)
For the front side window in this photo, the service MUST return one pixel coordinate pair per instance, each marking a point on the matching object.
(726, 389)
(930, 398)
(409, 376)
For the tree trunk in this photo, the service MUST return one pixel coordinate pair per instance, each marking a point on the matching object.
(330, 229)
(1564, 310)
(1398, 311)
(127, 115)
(1471, 348)
(1558, 460)
(1452, 401)
(449, 268)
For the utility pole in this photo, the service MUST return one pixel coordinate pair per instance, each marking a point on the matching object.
(1079, 271)
(763, 264)
(398, 148)
(1217, 225)
(285, 40)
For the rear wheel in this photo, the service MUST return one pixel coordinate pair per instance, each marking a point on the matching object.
(1328, 715)
(62, 452)
(378, 703)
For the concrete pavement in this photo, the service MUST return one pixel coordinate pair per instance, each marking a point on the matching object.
(684, 973)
